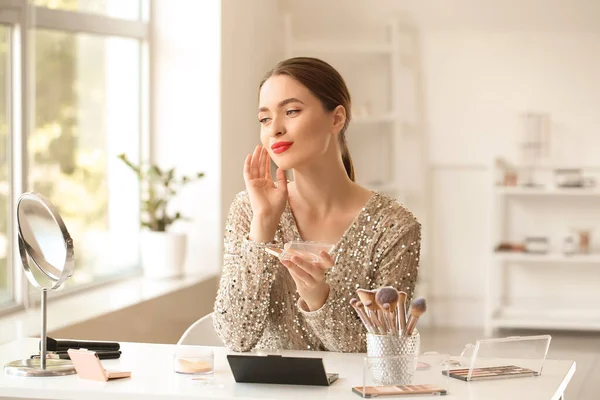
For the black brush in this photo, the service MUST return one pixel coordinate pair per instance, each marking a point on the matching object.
(61, 355)
(64, 345)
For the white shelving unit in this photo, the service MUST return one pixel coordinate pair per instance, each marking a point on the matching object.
(499, 313)
(523, 191)
(543, 319)
(585, 259)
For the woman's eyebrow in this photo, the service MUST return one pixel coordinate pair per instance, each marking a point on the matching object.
(283, 103)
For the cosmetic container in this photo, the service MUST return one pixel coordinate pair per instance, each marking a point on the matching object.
(193, 360)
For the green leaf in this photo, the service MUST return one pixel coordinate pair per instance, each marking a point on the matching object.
(169, 176)
(154, 172)
(135, 168)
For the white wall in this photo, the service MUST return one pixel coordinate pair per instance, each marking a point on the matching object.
(252, 45)
(478, 83)
(186, 117)
(209, 59)
(482, 67)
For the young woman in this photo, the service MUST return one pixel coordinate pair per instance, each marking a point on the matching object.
(262, 302)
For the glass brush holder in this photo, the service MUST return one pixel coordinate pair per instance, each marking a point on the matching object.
(393, 358)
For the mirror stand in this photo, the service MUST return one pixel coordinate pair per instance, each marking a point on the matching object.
(40, 366)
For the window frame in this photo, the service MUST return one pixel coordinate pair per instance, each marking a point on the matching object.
(17, 15)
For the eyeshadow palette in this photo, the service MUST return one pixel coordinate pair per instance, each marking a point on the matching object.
(500, 372)
(407, 390)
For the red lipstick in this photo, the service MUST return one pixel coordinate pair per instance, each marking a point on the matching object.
(280, 147)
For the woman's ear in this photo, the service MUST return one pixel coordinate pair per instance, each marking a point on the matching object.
(339, 118)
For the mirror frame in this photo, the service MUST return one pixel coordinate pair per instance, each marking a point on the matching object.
(28, 253)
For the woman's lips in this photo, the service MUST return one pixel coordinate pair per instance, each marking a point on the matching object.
(280, 147)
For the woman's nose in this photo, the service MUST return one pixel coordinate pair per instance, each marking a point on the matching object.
(277, 127)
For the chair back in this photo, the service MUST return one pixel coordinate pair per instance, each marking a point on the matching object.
(201, 333)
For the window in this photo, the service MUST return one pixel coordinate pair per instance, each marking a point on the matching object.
(5, 275)
(87, 67)
(126, 9)
(87, 106)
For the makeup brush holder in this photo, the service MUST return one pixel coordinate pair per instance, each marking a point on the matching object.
(386, 367)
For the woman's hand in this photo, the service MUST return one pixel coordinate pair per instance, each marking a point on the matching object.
(310, 278)
(266, 198)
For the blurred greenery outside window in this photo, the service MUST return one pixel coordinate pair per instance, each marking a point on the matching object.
(87, 108)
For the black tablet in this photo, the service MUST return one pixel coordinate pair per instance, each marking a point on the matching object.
(280, 370)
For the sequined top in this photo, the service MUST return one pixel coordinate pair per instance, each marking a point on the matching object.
(257, 305)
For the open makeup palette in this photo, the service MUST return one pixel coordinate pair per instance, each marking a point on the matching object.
(502, 358)
(500, 372)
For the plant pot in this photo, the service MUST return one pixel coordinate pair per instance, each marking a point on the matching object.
(162, 253)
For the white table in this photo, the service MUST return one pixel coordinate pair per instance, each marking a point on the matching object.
(153, 378)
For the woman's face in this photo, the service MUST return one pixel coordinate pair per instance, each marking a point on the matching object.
(295, 127)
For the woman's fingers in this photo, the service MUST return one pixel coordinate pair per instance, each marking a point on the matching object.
(247, 166)
(298, 273)
(281, 180)
(258, 164)
(328, 261)
(267, 165)
(254, 167)
(312, 269)
(262, 167)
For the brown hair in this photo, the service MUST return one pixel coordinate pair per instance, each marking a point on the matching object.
(327, 85)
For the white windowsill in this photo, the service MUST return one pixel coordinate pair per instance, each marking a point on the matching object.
(82, 306)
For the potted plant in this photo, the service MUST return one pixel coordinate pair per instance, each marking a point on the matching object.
(162, 251)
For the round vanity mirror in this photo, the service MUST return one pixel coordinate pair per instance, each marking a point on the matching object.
(44, 239)
(46, 250)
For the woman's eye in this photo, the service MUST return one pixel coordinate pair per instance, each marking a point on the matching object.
(263, 120)
(292, 112)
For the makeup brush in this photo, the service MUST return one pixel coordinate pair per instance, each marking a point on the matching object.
(389, 319)
(417, 308)
(368, 296)
(372, 313)
(401, 311)
(358, 306)
(61, 344)
(381, 319)
(362, 308)
(365, 295)
(61, 355)
(376, 310)
(387, 295)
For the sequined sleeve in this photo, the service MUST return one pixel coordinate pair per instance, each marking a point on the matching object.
(399, 260)
(241, 306)
(395, 258)
(336, 324)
